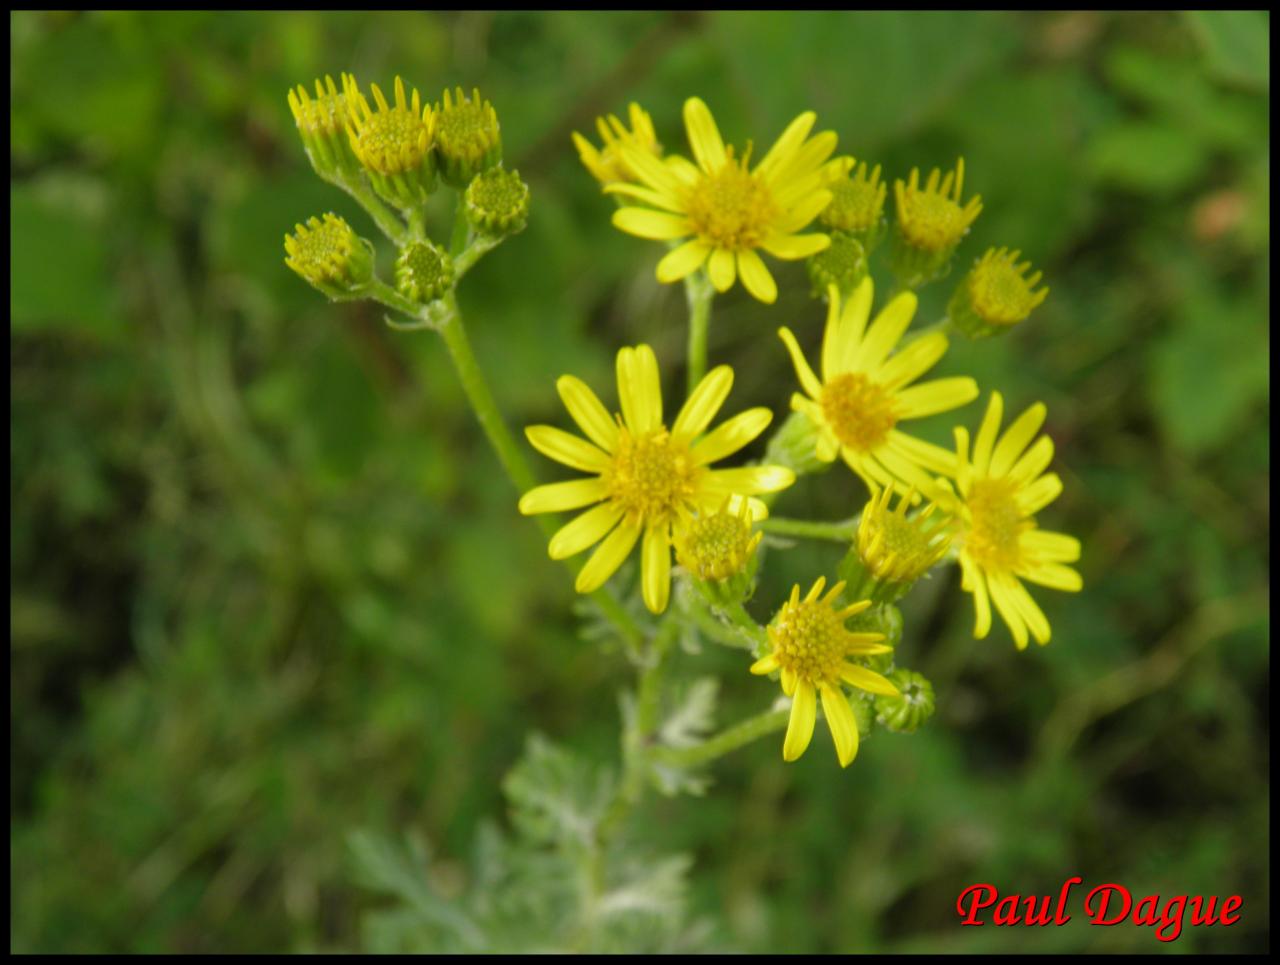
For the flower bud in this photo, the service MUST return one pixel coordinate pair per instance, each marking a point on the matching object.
(719, 548)
(329, 255)
(843, 264)
(892, 549)
(424, 272)
(322, 125)
(605, 163)
(906, 713)
(996, 295)
(857, 206)
(497, 202)
(468, 140)
(931, 223)
(795, 446)
(393, 143)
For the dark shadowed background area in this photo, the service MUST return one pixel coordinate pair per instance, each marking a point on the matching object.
(268, 585)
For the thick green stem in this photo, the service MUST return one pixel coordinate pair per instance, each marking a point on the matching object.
(840, 532)
(698, 291)
(723, 743)
(382, 216)
(461, 228)
(384, 293)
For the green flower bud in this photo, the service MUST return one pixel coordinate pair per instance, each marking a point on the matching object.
(322, 125)
(424, 272)
(718, 549)
(857, 207)
(393, 143)
(906, 714)
(497, 202)
(996, 295)
(795, 446)
(467, 137)
(329, 255)
(843, 264)
(931, 223)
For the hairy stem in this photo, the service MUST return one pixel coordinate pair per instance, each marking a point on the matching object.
(698, 291)
(723, 743)
(840, 532)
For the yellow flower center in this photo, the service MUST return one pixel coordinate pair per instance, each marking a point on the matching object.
(394, 141)
(466, 128)
(859, 411)
(731, 209)
(994, 525)
(933, 222)
(715, 546)
(321, 251)
(810, 640)
(651, 476)
(856, 201)
(999, 290)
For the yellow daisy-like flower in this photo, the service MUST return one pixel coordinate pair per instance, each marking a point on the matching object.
(999, 489)
(393, 142)
(605, 163)
(996, 294)
(728, 212)
(644, 475)
(931, 218)
(865, 391)
(811, 647)
(895, 548)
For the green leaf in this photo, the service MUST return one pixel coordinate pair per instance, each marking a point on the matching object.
(554, 795)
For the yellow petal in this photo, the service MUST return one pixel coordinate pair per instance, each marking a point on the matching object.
(837, 339)
(1050, 546)
(913, 361)
(844, 728)
(651, 170)
(804, 712)
(808, 381)
(1031, 499)
(765, 665)
(788, 143)
(584, 530)
(939, 395)
(975, 581)
(1055, 576)
(731, 435)
(657, 225)
(1033, 462)
(647, 195)
(703, 403)
(588, 411)
(747, 480)
(608, 557)
(1008, 611)
(925, 454)
(1027, 608)
(704, 136)
(720, 269)
(655, 568)
(791, 247)
(756, 277)
(986, 440)
(885, 332)
(806, 208)
(557, 497)
(853, 319)
(684, 260)
(1016, 439)
(568, 449)
(868, 680)
(638, 390)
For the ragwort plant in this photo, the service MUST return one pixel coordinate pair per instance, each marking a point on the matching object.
(653, 482)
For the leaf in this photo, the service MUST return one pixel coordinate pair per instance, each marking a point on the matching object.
(690, 718)
(554, 795)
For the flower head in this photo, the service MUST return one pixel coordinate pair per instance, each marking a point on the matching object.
(497, 201)
(857, 205)
(726, 211)
(931, 222)
(329, 255)
(996, 294)
(605, 163)
(810, 646)
(844, 265)
(906, 712)
(468, 139)
(718, 545)
(644, 475)
(896, 549)
(866, 391)
(394, 142)
(424, 272)
(999, 488)
(322, 124)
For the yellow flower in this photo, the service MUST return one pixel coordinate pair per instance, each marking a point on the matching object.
(857, 205)
(726, 211)
(322, 125)
(468, 138)
(394, 142)
(996, 294)
(895, 548)
(605, 163)
(999, 489)
(810, 647)
(644, 475)
(931, 217)
(717, 545)
(865, 391)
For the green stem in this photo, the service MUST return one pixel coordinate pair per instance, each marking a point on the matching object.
(480, 246)
(840, 532)
(382, 292)
(382, 216)
(417, 224)
(698, 291)
(723, 743)
(461, 228)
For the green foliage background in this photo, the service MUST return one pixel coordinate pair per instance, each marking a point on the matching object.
(268, 586)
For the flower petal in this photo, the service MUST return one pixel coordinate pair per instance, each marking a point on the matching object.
(986, 440)
(938, 395)
(1050, 546)
(651, 170)
(678, 263)
(720, 269)
(1032, 462)
(731, 435)
(704, 136)
(844, 728)
(646, 223)
(926, 454)
(703, 403)
(655, 568)
(588, 411)
(608, 556)
(584, 530)
(975, 582)
(868, 680)
(804, 713)
(808, 381)
(557, 497)
(885, 332)
(756, 277)
(747, 480)
(1035, 497)
(566, 448)
(788, 143)
(913, 361)
(765, 665)
(667, 202)
(791, 247)
(1055, 576)
(1008, 611)
(638, 389)
(1016, 439)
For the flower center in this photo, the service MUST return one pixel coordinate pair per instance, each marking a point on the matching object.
(732, 208)
(651, 476)
(856, 201)
(999, 290)
(467, 128)
(321, 250)
(810, 640)
(995, 525)
(933, 222)
(858, 410)
(715, 546)
(394, 141)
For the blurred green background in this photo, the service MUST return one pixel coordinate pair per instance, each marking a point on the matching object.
(268, 585)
